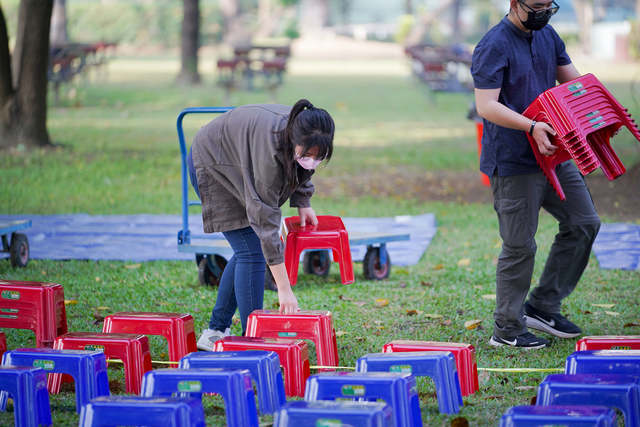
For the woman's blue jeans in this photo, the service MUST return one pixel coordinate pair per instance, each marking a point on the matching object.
(242, 282)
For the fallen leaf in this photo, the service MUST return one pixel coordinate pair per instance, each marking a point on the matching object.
(491, 297)
(411, 312)
(459, 422)
(603, 305)
(132, 266)
(464, 262)
(402, 285)
(438, 266)
(98, 279)
(631, 324)
(433, 316)
(340, 333)
(612, 313)
(497, 397)
(359, 303)
(447, 322)
(381, 302)
(102, 308)
(477, 287)
(472, 324)
(526, 387)
(426, 284)
(483, 377)
(70, 302)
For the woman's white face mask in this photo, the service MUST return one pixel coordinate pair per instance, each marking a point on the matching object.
(308, 163)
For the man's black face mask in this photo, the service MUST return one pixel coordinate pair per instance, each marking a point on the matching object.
(537, 19)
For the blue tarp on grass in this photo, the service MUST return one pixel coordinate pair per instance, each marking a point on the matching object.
(154, 237)
(618, 246)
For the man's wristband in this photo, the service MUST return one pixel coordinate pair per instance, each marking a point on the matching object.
(533, 124)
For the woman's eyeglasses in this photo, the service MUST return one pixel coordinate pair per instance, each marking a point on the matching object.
(544, 13)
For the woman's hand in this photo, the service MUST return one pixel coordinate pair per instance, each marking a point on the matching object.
(307, 216)
(288, 301)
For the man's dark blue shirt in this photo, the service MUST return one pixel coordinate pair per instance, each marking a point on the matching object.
(522, 65)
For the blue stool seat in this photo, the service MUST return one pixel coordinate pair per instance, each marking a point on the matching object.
(107, 411)
(28, 388)
(438, 365)
(333, 413)
(604, 362)
(263, 365)
(88, 369)
(398, 390)
(612, 390)
(235, 387)
(583, 416)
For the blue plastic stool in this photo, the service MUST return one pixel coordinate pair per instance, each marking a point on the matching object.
(613, 390)
(324, 413)
(107, 411)
(88, 369)
(438, 365)
(234, 386)
(398, 390)
(583, 416)
(263, 365)
(28, 388)
(604, 362)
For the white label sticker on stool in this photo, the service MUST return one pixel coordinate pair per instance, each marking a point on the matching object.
(190, 386)
(400, 368)
(353, 390)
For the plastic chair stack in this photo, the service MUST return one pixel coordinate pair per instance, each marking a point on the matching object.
(316, 326)
(177, 328)
(609, 342)
(465, 355)
(331, 413)
(147, 411)
(293, 354)
(131, 349)
(329, 233)
(88, 369)
(3, 343)
(28, 388)
(585, 116)
(534, 416)
(38, 306)
(264, 367)
(440, 366)
(234, 386)
(604, 362)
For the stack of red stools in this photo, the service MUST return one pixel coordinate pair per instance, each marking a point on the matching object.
(585, 115)
(176, 328)
(609, 342)
(38, 306)
(313, 325)
(3, 344)
(465, 355)
(329, 233)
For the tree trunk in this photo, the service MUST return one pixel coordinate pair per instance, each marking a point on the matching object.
(421, 27)
(408, 7)
(23, 90)
(455, 21)
(584, 13)
(190, 43)
(59, 35)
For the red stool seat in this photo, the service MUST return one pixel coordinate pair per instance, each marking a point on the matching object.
(38, 306)
(177, 328)
(609, 342)
(293, 354)
(465, 355)
(132, 349)
(329, 233)
(308, 325)
(3, 344)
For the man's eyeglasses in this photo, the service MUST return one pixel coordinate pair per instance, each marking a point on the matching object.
(544, 13)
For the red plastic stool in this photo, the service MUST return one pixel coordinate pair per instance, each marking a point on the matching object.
(293, 354)
(38, 306)
(177, 328)
(609, 342)
(3, 344)
(465, 355)
(307, 324)
(132, 349)
(330, 233)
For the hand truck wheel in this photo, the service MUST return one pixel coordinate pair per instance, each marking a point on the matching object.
(19, 250)
(316, 262)
(371, 266)
(210, 269)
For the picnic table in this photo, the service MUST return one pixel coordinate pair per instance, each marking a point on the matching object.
(441, 68)
(69, 60)
(254, 67)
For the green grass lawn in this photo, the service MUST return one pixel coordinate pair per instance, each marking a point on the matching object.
(118, 154)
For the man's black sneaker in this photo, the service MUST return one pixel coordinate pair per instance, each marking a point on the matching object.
(554, 324)
(526, 341)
